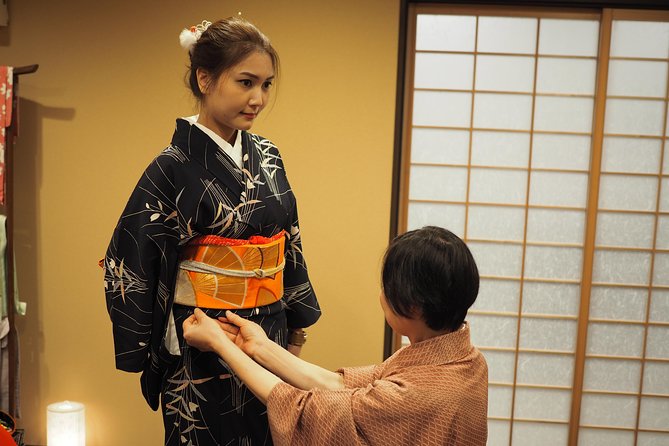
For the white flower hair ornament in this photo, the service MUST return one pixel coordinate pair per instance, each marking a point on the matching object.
(189, 36)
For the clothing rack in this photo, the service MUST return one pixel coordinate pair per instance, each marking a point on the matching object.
(11, 133)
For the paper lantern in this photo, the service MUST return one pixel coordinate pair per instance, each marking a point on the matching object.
(65, 424)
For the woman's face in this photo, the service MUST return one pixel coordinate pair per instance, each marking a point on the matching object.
(240, 93)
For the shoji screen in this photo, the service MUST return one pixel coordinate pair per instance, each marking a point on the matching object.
(558, 183)
(626, 383)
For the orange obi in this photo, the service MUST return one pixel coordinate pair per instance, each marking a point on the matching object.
(227, 274)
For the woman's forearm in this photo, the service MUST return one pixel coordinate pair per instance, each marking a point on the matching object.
(295, 350)
(295, 371)
(259, 380)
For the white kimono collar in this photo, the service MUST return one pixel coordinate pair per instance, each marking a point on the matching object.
(234, 151)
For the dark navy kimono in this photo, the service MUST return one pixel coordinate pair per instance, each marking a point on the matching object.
(194, 188)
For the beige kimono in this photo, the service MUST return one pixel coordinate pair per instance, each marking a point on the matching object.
(433, 392)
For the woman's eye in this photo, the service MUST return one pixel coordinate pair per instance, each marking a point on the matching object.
(246, 82)
(267, 85)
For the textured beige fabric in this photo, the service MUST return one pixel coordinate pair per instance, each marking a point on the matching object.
(434, 392)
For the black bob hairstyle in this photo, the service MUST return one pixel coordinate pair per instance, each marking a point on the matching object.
(430, 273)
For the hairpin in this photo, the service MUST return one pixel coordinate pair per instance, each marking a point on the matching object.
(189, 36)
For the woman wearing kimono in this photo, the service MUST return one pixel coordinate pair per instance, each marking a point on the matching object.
(212, 223)
(433, 391)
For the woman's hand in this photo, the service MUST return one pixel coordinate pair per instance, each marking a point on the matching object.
(247, 335)
(204, 333)
(207, 334)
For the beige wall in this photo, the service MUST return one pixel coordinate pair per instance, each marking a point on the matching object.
(103, 104)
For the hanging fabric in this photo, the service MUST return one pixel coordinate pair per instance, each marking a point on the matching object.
(20, 308)
(6, 91)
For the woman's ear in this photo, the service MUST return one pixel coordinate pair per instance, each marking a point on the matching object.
(203, 80)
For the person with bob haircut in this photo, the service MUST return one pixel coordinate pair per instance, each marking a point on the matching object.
(211, 224)
(433, 391)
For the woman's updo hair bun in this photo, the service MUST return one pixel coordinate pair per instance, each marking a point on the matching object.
(216, 47)
(189, 36)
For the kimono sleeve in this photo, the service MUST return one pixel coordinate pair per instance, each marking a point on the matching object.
(358, 376)
(299, 417)
(303, 309)
(138, 265)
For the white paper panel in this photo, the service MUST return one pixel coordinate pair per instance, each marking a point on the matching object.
(632, 193)
(542, 404)
(609, 410)
(543, 434)
(637, 78)
(502, 111)
(549, 370)
(559, 189)
(438, 183)
(493, 331)
(656, 378)
(507, 35)
(566, 76)
(543, 262)
(496, 223)
(499, 401)
(505, 73)
(450, 216)
(439, 146)
(636, 155)
(618, 303)
(569, 37)
(661, 270)
(654, 413)
(604, 437)
(605, 339)
(634, 117)
(652, 439)
(561, 151)
(563, 114)
(555, 226)
(445, 32)
(659, 306)
(656, 343)
(640, 39)
(440, 108)
(500, 366)
(499, 433)
(621, 267)
(497, 295)
(551, 298)
(500, 149)
(629, 230)
(548, 334)
(497, 186)
(495, 259)
(447, 71)
(613, 375)
(662, 237)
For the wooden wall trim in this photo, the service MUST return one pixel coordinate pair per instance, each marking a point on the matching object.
(622, 4)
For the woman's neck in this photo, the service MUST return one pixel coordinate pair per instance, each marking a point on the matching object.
(419, 331)
(228, 134)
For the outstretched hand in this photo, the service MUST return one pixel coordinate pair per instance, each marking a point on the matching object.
(203, 332)
(210, 335)
(235, 340)
(247, 335)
